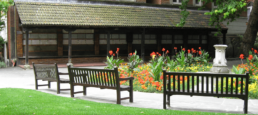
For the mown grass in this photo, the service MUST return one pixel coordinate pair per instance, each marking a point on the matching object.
(14, 101)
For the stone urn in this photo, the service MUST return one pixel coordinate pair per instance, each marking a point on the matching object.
(220, 62)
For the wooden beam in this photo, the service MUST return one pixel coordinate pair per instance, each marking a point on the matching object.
(143, 44)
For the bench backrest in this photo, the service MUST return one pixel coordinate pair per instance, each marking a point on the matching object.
(45, 71)
(206, 83)
(94, 77)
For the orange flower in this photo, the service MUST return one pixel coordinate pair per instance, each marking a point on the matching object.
(189, 51)
(183, 49)
(250, 57)
(130, 54)
(144, 87)
(252, 48)
(163, 49)
(157, 83)
(181, 78)
(241, 56)
(175, 48)
(199, 47)
(133, 53)
(117, 49)
(161, 77)
(255, 51)
(110, 52)
(114, 54)
(167, 52)
(200, 52)
(153, 53)
(192, 49)
(159, 54)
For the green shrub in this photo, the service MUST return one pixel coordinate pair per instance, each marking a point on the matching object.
(2, 64)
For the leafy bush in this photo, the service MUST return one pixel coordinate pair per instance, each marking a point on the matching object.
(2, 64)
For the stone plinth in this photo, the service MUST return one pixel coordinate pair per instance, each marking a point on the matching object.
(220, 62)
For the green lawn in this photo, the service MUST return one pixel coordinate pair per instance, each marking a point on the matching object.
(15, 101)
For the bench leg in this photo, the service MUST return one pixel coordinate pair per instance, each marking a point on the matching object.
(84, 90)
(36, 84)
(72, 90)
(246, 105)
(118, 100)
(49, 84)
(164, 100)
(168, 101)
(131, 91)
(58, 87)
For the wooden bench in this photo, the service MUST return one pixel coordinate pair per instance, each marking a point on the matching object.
(101, 78)
(205, 84)
(48, 72)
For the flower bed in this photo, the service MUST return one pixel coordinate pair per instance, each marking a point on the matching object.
(149, 78)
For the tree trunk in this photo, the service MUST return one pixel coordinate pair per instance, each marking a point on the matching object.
(251, 30)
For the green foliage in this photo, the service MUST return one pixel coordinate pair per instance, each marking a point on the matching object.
(1, 42)
(171, 64)
(4, 4)
(156, 68)
(134, 61)
(181, 58)
(2, 64)
(112, 63)
(227, 10)
(240, 71)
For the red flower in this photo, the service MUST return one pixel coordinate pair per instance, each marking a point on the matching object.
(183, 49)
(117, 49)
(250, 57)
(189, 51)
(167, 52)
(200, 52)
(157, 83)
(192, 49)
(114, 54)
(130, 54)
(241, 56)
(175, 48)
(133, 53)
(159, 54)
(110, 52)
(252, 48)
(255, 51)
(199, 47)
(153, 53)
(163, 49)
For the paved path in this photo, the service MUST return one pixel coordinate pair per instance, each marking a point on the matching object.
(16, 77)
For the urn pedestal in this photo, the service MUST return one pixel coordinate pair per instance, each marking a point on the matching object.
(220, 62)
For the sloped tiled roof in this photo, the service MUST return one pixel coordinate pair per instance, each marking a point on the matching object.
(60, 14)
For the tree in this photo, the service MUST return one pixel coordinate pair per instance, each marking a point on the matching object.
(4, 4)
(229, 10)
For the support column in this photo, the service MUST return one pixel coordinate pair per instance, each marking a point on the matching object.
(108, 42)
(224, 32)
(70, 46)
(173, 45)
(143, 44)
(96, 43)
(27, 66)
(158, 39)
(60, 47)
(129, 40)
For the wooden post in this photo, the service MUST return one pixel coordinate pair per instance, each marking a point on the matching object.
(108, 42)
(70, 45)
(27, 48)
(224, 32)
(143, 44)
(60, 42)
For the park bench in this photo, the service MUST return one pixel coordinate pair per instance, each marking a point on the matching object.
(205, 84)
(101, 78)
(48, 72)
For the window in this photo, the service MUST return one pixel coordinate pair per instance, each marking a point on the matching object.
(176, 1)
(249, 9)
(197, 3)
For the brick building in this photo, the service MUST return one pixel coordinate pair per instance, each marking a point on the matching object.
(76, 31)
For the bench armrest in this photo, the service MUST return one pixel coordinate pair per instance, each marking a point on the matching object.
(126, 78)
(60, 73)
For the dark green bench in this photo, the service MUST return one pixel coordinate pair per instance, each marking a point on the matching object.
(48, 72)
(205, 84)
(101, 78)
